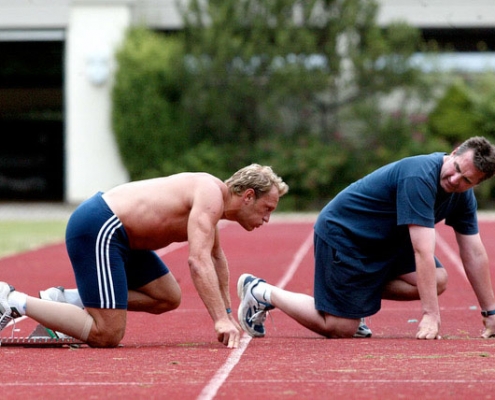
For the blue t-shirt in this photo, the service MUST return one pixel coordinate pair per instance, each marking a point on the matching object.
(370, 218)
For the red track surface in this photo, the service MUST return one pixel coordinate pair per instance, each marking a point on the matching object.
(176, 356)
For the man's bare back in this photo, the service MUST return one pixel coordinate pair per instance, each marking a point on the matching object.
(155, 212)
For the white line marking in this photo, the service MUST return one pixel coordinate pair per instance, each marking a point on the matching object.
(171, 247)
(370, 381)
(211, 389)
(451, 254)
(246, 381)
(15, 321)
(296, 261)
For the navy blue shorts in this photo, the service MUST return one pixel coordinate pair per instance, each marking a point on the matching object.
(104, 266)
(351, 287)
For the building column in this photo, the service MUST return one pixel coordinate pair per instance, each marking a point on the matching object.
(92, 162)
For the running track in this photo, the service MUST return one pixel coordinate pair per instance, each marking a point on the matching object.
(176, 356)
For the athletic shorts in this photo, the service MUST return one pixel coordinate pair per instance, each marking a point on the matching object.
(104, 265)
(351, 287)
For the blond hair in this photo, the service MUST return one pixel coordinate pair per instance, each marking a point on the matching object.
(257, 177)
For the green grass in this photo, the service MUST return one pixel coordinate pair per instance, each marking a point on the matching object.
(19, 236)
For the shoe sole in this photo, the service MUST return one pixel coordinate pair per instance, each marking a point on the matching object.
(240, 286)
(240, 294)
(358, 336)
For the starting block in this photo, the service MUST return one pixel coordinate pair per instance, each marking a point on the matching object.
(41, 337)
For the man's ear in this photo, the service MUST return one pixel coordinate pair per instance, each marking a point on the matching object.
(248, 195)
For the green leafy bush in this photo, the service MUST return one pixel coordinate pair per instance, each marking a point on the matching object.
(467, 109)
(149, 121)
(453, 118)
(218, 97)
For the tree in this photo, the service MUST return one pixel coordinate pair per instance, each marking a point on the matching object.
(148, 117)
(287, 68)
(454, 116)
(303, 86)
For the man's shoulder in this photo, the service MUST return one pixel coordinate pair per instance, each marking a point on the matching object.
(191, 180)
(421, 164)
(206, 181)
(434, 158)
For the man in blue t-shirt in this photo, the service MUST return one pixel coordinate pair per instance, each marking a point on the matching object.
(376, 240)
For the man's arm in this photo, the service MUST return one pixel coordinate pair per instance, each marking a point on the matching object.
(475, 260)
(423, 242)
(223, 274)
(205, 213)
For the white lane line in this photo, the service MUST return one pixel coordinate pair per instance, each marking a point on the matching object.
(296, 261)
(451, 254)
(171, 247)
(211, 389)
(247, 381)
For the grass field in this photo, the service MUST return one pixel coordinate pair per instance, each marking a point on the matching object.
(19, 236)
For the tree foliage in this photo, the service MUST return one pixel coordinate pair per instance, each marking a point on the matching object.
(453, 117)
(288, 68)
(314, 88)
(148, 117)
(467, 108)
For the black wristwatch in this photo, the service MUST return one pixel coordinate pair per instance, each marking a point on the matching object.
(487, 313)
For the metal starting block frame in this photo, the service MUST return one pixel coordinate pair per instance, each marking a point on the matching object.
(41, 337)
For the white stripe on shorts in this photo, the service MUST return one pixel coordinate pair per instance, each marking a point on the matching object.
(103, 268)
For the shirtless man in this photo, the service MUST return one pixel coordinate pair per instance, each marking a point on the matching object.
(111, 239)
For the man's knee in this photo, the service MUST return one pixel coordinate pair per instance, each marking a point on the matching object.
(164, 294)
(105, 339)
(167, 303)
(108, 327)
(339, 328)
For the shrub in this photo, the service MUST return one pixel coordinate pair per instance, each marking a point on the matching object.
(148, 118)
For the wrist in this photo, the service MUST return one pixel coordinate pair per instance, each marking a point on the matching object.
(487, 313)
(229, 310)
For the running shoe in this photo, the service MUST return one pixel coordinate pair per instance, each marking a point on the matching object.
(7, 313)
(363, 331)
(54, 294)
(252, 312)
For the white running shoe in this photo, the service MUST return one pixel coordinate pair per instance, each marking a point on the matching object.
(252, 312)
(53, 294)
(363, 331)
(7, 313)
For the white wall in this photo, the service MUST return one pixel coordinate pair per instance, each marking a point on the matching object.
(96, 28)
(439, 13)
(35, 14)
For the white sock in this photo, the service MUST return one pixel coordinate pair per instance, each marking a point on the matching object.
(263, 292)
(72, 297)
(18, 300)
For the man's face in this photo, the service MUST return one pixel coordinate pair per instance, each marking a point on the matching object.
(254, 211)
(458, 173)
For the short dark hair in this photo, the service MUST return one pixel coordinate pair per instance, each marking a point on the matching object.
(483, 155)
